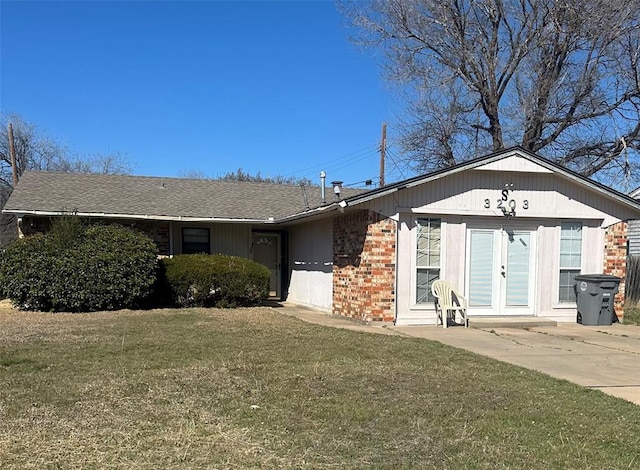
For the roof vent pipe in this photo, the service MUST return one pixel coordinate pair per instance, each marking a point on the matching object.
(323, 178)
(337, 188)
(304, 195)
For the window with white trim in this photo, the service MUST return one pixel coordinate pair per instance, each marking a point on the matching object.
(570, 259)
(428, 238)
(196, 240)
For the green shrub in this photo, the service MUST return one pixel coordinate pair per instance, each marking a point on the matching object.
(100, 268)
(66, 231)
(215, 281)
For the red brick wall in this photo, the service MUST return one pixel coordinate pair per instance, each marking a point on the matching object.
(364, 264)
(615, 260)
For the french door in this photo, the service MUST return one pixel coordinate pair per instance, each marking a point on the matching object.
(501, 271)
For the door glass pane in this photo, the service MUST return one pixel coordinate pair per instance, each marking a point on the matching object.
(518, 250)
(481, 269)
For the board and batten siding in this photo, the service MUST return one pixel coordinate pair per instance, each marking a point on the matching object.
(454, 263)
(452, 266)
(311, 264)
(227, 239)
(460, 201)
(466, 193)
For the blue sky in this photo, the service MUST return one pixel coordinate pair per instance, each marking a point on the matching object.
(269, 87)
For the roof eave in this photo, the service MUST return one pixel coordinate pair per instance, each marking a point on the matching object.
(169, 218)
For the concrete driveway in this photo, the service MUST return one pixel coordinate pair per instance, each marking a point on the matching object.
(606, 358)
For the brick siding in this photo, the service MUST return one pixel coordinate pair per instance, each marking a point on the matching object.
(615, 260)
(364, 262)
(158, 232)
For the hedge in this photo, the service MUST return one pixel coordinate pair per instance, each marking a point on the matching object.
(214, 281)
(76, 268)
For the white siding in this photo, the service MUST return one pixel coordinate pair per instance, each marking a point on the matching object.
(547, 277)
(465, 193)
(459, 200)
(515, 163)
(311, 264)
(452, 267)
(405, 293)
(454, 264)
(547, 304)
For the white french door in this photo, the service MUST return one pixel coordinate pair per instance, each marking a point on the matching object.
(501, 271)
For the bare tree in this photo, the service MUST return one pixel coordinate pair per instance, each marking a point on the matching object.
(106, 164)
(558, 77)
(241, 175)
(33, 149)
(36, 151)
(194, 175)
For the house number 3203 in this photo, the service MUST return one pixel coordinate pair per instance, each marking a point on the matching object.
(506, 203)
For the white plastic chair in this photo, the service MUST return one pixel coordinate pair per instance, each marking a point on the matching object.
(448, 302)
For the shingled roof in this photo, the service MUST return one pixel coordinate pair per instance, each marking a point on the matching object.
(157, 197)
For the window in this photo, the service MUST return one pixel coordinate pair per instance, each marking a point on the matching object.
(427, 258)
(570, 259)
(195, 240)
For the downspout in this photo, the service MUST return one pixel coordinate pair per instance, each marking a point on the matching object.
(395, 274)
(171, 239)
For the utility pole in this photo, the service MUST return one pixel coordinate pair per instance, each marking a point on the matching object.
(383, 149)
(12, 153)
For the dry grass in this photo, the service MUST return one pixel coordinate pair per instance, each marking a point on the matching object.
(632, 316)
(255, 389)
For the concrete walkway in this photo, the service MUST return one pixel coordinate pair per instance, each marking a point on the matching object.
(606, 358)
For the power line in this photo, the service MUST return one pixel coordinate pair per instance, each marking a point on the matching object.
(393, 158)
(367, 182)
(340, 166)
(340, 161)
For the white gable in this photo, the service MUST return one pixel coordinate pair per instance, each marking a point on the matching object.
(539, 195)
(514, 163)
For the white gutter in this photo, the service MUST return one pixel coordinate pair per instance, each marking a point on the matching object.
(317, 211)
(178, 218)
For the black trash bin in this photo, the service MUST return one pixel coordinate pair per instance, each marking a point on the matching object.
(594, 296)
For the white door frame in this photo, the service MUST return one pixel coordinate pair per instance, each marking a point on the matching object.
(499, 263)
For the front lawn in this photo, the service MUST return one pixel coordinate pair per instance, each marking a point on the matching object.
(252, 388)
(632, 316)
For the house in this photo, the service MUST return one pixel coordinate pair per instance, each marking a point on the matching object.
(510, 229)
